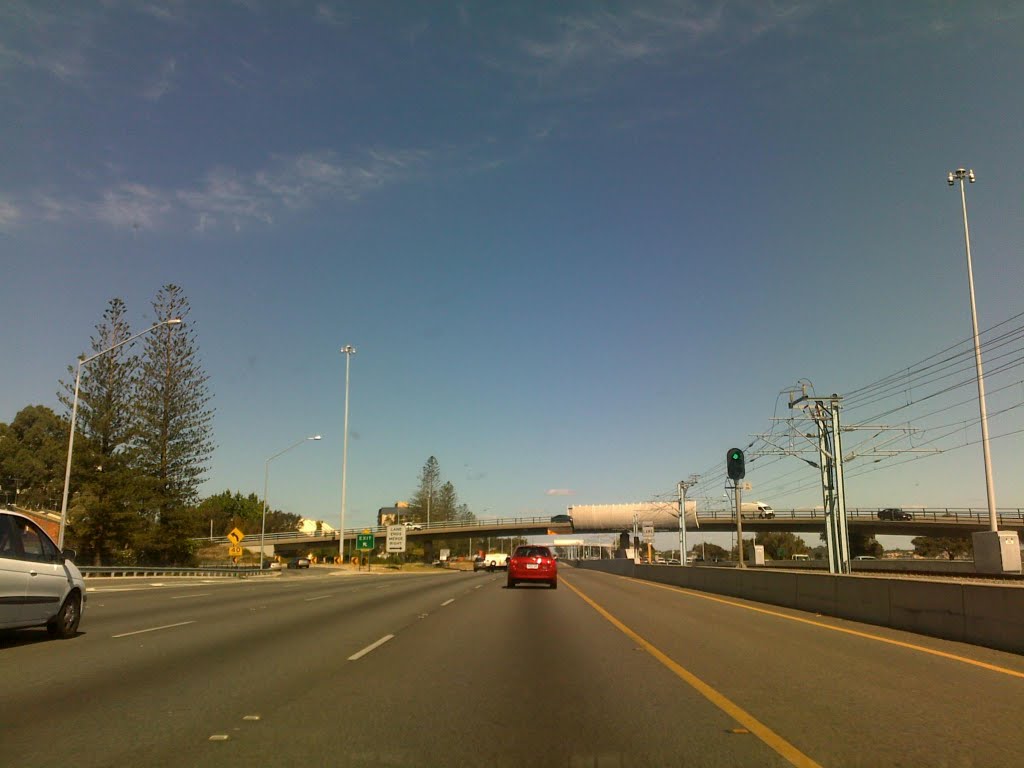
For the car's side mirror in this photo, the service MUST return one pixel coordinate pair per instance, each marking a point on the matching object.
(69, 554)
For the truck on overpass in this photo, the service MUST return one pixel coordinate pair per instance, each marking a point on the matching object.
(593, 518)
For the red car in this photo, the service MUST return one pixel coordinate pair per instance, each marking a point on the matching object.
(532, 563)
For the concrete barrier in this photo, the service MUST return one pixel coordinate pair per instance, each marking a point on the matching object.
(983, 614)
(994, 616)
(927, 607)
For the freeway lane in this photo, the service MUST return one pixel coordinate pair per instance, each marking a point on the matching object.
(457, 670)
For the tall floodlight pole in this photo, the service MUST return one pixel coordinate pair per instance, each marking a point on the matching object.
(348, 350)
(993, 523)
(266, 481)
(82, 361)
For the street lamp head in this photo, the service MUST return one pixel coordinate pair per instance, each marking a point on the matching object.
(348, 349)
(314, 437)
(970, 176)
(950, 178)
(173, 321)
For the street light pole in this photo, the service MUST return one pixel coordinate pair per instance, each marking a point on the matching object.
(960, 175)
(348, 350)
(266, 481)
(82, 361)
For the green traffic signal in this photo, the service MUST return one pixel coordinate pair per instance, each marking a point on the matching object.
(735, 465)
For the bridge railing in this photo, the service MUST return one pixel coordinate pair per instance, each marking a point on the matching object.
(936, 514)
(381, 530)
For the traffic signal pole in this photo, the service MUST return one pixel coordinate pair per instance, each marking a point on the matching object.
(739, 523)
(736, 469)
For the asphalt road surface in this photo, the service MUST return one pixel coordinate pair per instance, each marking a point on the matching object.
(450, 668)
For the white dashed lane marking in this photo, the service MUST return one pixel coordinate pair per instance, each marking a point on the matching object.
(369, 648)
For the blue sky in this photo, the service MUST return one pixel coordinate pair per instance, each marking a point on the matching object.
(580, 247)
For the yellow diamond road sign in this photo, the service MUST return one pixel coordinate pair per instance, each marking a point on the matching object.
(236, 536)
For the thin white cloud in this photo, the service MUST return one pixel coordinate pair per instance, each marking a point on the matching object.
(9, 216)
(67, 66)
(558, 492)
(132, 206)
(163, 82)
(599, 41)
(332, 15)
(226, 197)
(36, 38)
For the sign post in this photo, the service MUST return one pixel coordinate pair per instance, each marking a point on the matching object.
(649, 539)
(235, 550)
(396, 539)
(364, 543)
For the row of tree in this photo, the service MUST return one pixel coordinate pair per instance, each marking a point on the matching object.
(143, 443)
(435, 500)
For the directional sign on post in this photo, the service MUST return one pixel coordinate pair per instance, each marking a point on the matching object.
(648, 533)
(236, 536)
(396, 538)
(364, 541)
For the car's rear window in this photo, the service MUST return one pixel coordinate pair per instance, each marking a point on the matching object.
(532, 552)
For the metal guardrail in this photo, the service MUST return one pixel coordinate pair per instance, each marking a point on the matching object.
(90, 571)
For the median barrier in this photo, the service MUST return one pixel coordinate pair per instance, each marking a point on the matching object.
(817, 595)
(776, 587)
(864, 599)
(983, 614)
(928, 607)
(991, 611)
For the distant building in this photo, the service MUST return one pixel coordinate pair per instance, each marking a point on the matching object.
(395, 515)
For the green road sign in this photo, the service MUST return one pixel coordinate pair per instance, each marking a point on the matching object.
(364, 541)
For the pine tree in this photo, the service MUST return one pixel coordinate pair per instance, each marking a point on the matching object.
(174, 421)
(103, 515)
(446, 503)
(107, 383)
(424, 500)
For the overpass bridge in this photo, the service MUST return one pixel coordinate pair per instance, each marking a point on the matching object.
(928, 521)
(293, 542)
(945, 521)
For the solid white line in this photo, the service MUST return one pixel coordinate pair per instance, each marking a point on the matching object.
(478, 586)
(154, 629)
(448, 602)
(371, 647)
(183, 597)
(319, 597)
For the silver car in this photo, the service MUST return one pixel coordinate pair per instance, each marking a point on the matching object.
(39, 585)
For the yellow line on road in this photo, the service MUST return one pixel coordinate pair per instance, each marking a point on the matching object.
(773, 740)
(844, 630)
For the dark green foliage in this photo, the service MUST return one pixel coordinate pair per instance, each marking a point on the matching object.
(943, 546)
(33, 450)
(422, 503)
(781, 545)
(103, 517)
(228, 511)
(173, 419)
